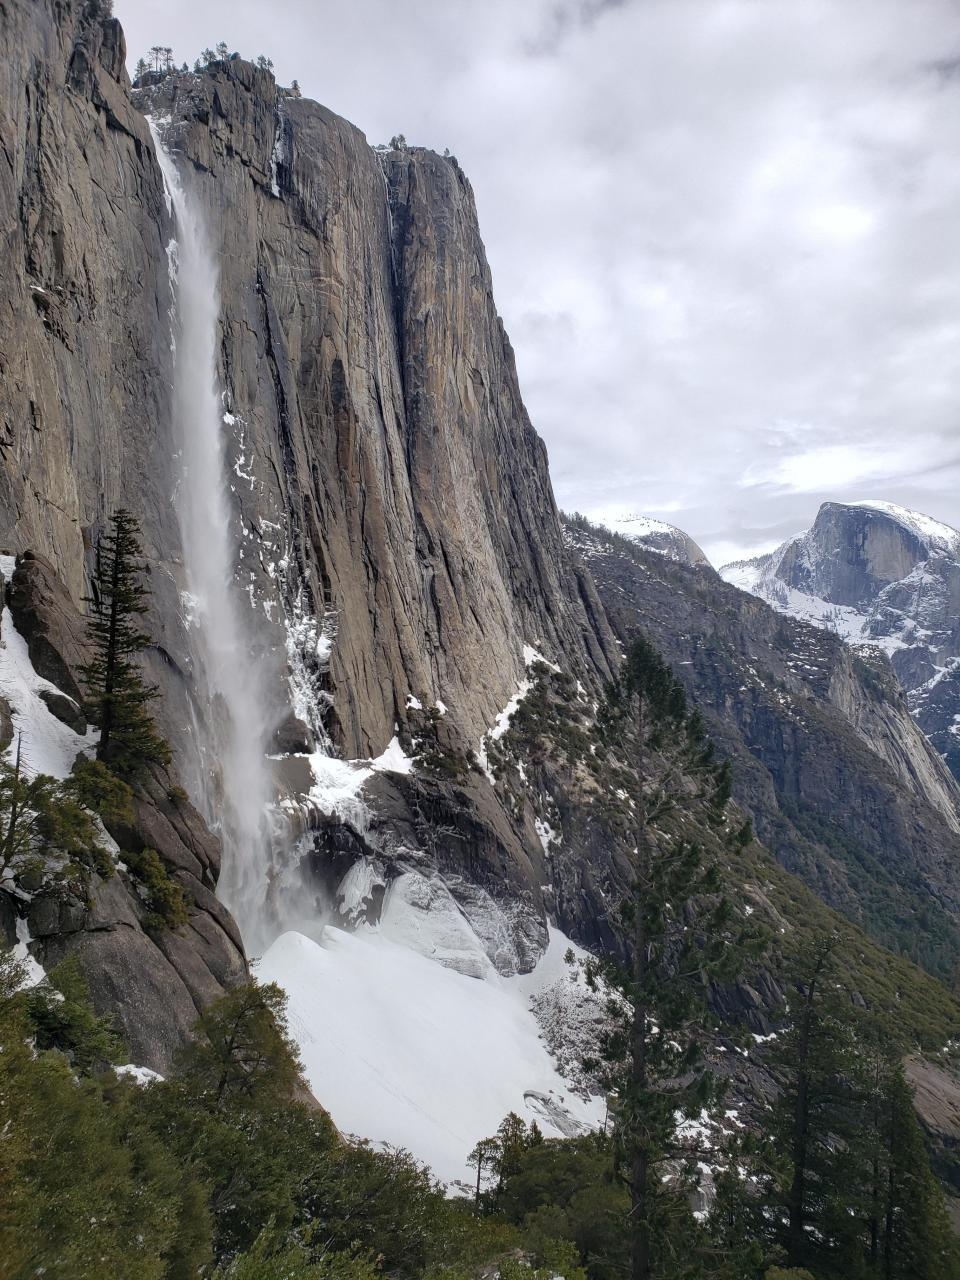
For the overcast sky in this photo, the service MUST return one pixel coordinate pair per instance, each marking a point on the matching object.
(724, 234)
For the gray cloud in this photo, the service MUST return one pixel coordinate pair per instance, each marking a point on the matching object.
(725, 235)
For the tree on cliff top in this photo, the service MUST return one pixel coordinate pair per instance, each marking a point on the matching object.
(119, 696)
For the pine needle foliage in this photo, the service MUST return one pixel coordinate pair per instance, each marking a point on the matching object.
(48, 831)
(119, 697)
(681, 935)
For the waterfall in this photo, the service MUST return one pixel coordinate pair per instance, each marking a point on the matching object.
(239, 782)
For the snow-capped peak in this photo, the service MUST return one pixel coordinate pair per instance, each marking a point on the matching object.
(940, 537)
(656, 535)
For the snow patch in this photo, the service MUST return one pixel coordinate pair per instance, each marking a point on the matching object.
(547, 835)
(501, 724)
(393, 759)
(139, 1075)
(33, 972)
(47, 745)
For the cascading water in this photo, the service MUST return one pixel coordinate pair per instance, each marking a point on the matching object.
(220, 622)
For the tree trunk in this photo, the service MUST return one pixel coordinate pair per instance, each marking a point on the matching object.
(10, 838)
(110, 662)
(796, 1197)
(640, 1153)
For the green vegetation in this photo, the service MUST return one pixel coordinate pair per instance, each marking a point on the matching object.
(572, 767)
(48, 829)
(226, 1168)
(164, 898)
(118, 695)
(841, 1186)
(682, 934)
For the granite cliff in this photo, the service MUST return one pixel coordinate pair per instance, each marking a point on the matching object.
(405, 580)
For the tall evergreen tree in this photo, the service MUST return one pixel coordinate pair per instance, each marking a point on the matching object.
(818, 1197)
(117, 692)
(680, 933)
(914, 1240)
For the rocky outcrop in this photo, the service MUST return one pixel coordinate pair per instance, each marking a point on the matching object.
(884, 577)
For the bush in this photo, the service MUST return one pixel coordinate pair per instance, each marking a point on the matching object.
(63, 1019)
(163, 897)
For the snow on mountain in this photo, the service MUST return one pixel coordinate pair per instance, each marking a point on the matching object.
(656, 535)
(940, 538)
(407, 1052)
(878, 574)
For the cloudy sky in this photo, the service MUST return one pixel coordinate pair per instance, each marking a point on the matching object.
(725, 234)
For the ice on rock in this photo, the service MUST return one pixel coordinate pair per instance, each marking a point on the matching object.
(33, 972)
(421, 914)
(357, 891)
(336, 789)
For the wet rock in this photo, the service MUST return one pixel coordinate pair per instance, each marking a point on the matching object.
(49, 621)
(292, 737)
(6, 724)
(65, 709)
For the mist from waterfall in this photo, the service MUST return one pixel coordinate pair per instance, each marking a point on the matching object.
(239, 782)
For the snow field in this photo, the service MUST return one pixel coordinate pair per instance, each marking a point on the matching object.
(406, 1052)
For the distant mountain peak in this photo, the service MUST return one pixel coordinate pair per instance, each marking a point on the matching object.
(881, 574)
(657, 535)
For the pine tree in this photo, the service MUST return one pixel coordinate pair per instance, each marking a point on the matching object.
(243, 1052)
(681, 933)
(47, 827)
(821, 1198)
(118, 694)
(915, 1240)
(485, 1156)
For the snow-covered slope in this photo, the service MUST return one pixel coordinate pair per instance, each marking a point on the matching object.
(405, 1051)
(878, 574)
(657, 535)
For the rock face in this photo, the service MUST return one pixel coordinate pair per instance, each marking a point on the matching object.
(878, 575)
(842, 786)
(391, 465)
